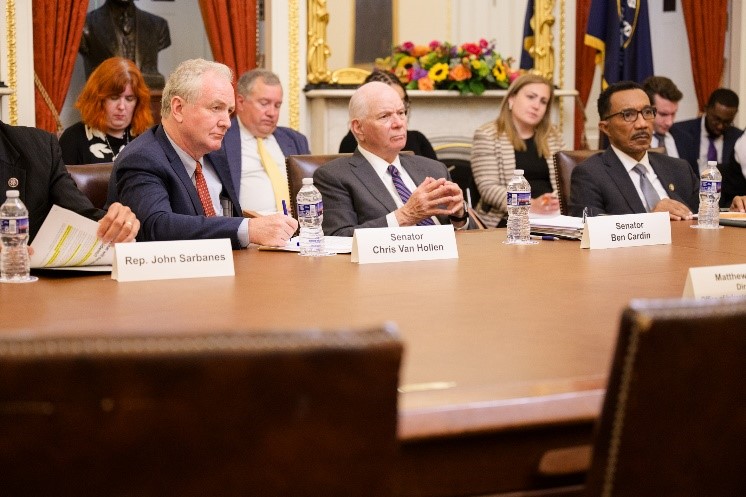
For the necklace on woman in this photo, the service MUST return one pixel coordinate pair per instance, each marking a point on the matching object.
(125, 137)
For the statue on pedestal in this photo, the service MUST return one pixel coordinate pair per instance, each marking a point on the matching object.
(119, 29)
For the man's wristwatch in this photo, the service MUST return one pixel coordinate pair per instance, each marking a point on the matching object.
(457, 219)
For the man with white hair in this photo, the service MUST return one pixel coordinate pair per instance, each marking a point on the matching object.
(377, 187)
(175, 176)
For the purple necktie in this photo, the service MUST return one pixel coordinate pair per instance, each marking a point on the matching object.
(404, 192)
(712, 153)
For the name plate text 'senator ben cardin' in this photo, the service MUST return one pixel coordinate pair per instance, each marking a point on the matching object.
(411, 243)
(629, 230)
(144, 261)
(716, 281)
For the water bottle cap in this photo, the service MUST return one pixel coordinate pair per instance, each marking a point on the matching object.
(519, 172)
(712, 163)
(308, 181)
(12, 194)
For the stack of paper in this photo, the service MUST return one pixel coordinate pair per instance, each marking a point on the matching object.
(559, 226)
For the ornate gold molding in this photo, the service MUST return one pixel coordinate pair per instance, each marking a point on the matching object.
(543, 49)
(294, 64)
(318, 48)
(10, 35)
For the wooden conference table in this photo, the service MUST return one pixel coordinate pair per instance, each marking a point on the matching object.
(506, 348)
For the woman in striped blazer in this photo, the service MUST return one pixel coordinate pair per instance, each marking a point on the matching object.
(522, 137)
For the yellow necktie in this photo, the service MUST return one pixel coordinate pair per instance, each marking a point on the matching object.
(279, 183)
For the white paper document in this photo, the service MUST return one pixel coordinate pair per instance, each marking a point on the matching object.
(68, 240)
(332, 245)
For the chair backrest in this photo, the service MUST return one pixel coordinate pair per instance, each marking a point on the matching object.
(303, 166)
(457, 156)
(232, 414)
(564, 162)
(673, 420)
(92, 180)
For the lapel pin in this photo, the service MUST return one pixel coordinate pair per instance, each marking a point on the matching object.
(671, 187)
(13, 182)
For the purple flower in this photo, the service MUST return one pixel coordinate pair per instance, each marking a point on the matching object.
(417, 73)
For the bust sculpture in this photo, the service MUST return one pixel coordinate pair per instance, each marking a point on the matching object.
(119, 29)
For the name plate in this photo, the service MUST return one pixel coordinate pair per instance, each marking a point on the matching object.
(145, 261)
(629, 230)
(716, 281)
(410, 243)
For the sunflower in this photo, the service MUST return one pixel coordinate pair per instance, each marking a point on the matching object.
(406, 62)
(438, 72)
(499, 71)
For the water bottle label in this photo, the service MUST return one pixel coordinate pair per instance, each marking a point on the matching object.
(14, 226)
(309, 210)
(708, 186)
(519, 199)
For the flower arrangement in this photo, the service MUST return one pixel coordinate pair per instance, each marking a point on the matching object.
(468, 68)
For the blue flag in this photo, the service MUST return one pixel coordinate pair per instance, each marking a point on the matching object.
(527, 61)
(620, 32)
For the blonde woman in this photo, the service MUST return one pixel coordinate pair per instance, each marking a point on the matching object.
(521, 138)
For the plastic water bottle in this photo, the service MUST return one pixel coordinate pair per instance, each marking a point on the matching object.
(519, 202)
(709, 197)
(310, 216)
(14, 258)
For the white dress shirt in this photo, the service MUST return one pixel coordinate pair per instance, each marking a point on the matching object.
(629, 163)
(670, 144)
(256, 193)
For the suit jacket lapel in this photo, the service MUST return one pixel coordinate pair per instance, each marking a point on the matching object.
(10, 167)
(665, 177)
(220, 163)
(362, 169)
(232, 145)
(179, 169)
(621, 178)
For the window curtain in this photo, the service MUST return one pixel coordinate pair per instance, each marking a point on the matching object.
(58, 27)
(231, 29)
(706, 22)
(585, 68)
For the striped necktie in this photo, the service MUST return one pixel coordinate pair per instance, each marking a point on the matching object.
(404, 192)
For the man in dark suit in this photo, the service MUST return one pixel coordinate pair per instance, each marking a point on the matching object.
(31, 162)
(119, 29)
(377, 187)
(176, 177)
(258, 102)
(712, 136)
(626, 179)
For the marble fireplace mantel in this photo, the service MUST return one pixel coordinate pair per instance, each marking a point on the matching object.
(445, 117)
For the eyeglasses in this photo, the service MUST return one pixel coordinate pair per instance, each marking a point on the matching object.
(630, 115)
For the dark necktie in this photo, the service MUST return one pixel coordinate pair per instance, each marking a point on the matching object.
(661, 141)
(404, 192)
(648, 191)
(203, 192)
(712, 152)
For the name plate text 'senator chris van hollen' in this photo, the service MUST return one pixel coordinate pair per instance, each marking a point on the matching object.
(143, 261)
(629, 230)
(410, 243)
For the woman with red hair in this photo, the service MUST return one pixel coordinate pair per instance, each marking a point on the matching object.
(114, 106)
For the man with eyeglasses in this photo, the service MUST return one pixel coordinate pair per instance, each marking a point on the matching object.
(377, 187)
(712, 136)
(626, 178)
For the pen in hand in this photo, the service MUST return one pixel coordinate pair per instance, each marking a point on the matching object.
(284, 207)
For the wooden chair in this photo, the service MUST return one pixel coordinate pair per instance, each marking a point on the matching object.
(92, 180)
(564, 162)
(303, 166)
(230, 414)
(673, 420)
